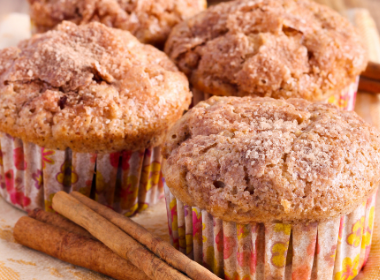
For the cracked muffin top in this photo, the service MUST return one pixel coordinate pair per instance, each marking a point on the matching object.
(273, 48)
(149, 20)
(263, 159)
(89, 88)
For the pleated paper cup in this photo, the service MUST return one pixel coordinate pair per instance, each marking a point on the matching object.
(333, 249)
(127, 181)
(346, 100)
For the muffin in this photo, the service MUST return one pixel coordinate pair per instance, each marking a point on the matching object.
(86, 108)
(272, 189)
(272, 48)
(149, 20)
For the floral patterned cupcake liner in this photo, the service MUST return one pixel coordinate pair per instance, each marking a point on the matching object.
(127, 181)
(334, 249)
(346, 100)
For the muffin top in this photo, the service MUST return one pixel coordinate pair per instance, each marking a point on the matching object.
(262, 159)
(149, 20)
(89, 88)
(273, 48)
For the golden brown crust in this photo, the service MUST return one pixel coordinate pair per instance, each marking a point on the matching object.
(149, 20)
(89, 88)
(274, 48)
(261, 159)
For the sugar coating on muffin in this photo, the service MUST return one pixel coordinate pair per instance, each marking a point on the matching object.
(149, 20)
(273, 48)
(89, 88)
(261, 159)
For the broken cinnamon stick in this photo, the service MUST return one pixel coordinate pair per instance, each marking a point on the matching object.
(372, 71)
(114, 238)
(158, 246)
(57, 220)
(73, 248)
(369, 85)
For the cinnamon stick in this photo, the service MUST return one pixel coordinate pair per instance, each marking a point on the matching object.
(372, 71)
(57, 220)
(369, 85)
(74, 248)
(114, 238)
(158, 246)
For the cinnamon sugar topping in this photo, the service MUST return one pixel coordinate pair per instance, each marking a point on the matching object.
(261, 159)
(275, 48)
(149, 20)
(89, 88)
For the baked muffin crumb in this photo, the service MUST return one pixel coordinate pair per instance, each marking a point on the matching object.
(149, 20)
(273, 48)
(89, 88)
(260, 159)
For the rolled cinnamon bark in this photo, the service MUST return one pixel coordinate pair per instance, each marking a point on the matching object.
(372, 71)
(114, 238)
(369, 85)
(57, 220)
(73, 248)
(158, 246)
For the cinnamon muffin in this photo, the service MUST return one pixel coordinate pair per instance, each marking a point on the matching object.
(149, 20)
(96, 100)
(262, 169)
(273, 48)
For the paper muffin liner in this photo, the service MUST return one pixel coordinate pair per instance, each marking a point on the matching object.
(127, 181)
(334, 249)
(346, 100)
